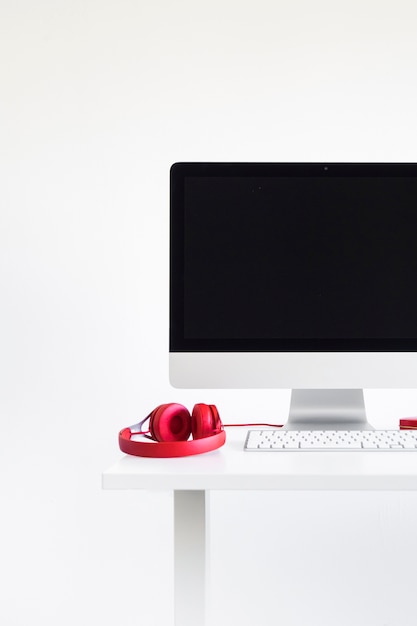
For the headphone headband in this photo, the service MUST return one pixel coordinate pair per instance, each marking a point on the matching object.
(166, 449)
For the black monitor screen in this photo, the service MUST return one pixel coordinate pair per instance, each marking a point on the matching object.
(294, 257)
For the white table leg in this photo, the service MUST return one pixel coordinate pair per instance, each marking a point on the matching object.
(190, 557)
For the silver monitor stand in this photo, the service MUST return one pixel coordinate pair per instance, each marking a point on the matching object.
(327, 409)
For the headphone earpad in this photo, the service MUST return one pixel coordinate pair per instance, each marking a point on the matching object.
(170, 422)
(205, 421)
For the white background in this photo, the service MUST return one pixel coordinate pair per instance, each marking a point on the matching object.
(97, 99)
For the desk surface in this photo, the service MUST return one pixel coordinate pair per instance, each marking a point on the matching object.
(230, 467)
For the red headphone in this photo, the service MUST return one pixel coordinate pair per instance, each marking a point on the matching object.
(170, 425)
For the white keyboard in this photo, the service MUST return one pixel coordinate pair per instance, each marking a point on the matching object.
(290, 440)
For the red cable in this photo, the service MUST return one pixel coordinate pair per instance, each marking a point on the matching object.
(256, 424)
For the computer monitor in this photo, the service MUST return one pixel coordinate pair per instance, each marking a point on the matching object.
(295, 275)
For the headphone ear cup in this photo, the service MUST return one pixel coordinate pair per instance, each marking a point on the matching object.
(205, 421)
(170, 422)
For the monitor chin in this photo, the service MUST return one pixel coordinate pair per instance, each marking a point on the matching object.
(293, 370)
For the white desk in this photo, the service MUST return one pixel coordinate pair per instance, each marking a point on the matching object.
(230, 468)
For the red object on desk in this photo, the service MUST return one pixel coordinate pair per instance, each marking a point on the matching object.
(409, 423)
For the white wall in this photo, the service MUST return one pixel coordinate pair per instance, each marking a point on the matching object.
(97, 99)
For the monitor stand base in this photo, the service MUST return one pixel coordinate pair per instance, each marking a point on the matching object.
(327, 409)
